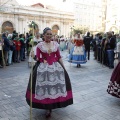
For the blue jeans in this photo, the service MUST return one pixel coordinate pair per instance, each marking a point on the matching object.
(21, 53)
(10, 53)
(110, 58)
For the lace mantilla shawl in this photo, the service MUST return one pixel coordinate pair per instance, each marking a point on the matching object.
(43, 48)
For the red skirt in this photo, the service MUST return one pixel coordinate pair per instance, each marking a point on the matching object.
(48, 103)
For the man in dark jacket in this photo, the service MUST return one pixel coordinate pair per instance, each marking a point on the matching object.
(1, 59)
(87, 40)
(6, 47)
(110, 46)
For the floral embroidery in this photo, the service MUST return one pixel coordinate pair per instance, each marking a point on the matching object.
(114, 88)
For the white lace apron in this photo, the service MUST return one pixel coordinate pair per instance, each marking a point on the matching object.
(50, 81)
(78, 50)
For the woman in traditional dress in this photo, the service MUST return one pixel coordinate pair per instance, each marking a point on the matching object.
(114, 84)
(77, 53)
(62, 44)
(70, 45)
(51, 87)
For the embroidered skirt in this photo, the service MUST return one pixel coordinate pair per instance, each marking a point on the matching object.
(51, 87)
(114, 84)
(77, 55)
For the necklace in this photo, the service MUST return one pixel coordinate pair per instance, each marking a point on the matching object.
(48, 47)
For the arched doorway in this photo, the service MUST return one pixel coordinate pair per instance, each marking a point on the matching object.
(55, 29)
(115, 29)
(7, 26)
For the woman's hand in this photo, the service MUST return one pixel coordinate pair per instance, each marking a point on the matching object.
(45, 61)
(32, 54)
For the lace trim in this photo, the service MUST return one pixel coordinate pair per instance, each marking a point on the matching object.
(42, 47)
(78, 51)
(50, 96)
(50, 68)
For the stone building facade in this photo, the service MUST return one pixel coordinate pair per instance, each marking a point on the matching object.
(16, 17)
(113, 16)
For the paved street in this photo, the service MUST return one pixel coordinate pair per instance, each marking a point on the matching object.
(89, 84)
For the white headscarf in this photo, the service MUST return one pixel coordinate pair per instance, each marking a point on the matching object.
(9, 35)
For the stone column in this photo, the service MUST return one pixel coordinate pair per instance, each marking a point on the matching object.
(16, 23)
(41, 28)
(64, 29)
(44, 23)
(20, 25)
(1, 22)
(47, 23)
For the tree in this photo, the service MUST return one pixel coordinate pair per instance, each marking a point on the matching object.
(80, 29)
(76, 31)
(32, 27)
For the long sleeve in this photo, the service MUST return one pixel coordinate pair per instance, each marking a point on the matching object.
(6, 44)
(38, 54)
(6, 41)
(112, 43)
(58, 54)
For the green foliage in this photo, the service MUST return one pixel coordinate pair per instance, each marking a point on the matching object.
(81, 30)
(76, 31)
(32, 25)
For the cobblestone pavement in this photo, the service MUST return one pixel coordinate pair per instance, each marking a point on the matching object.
(89, 84)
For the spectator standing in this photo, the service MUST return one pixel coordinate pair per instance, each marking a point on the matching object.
(87, 40)
(6, 47)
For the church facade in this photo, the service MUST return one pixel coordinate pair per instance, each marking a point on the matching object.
(16, 17)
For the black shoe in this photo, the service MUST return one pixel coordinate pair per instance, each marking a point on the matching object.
(18, 61)
(111, 67)
(79, 65)
(7, 64)
(1, 66)
(23, 60)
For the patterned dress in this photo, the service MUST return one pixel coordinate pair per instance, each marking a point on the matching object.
(114, 84)
(51, 87)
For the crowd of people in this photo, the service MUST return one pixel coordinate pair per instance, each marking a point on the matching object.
(16, 47)
(106, 47)
(13, 48)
